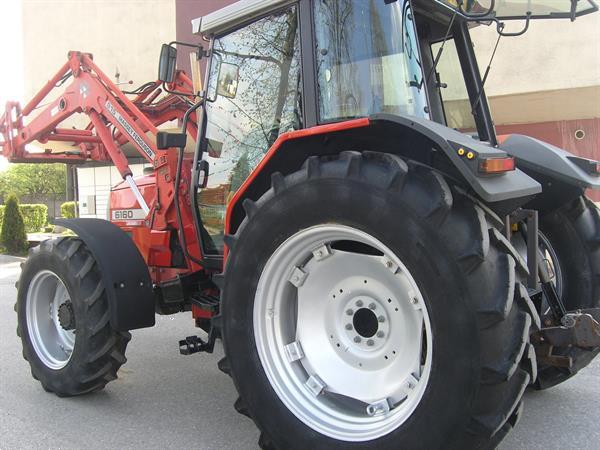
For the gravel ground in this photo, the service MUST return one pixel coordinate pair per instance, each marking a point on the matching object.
(165, 400)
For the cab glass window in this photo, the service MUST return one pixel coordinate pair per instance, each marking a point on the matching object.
(254, 96)
(452, 88)
(367, 59)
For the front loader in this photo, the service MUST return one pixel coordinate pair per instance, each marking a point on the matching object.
(384, 270)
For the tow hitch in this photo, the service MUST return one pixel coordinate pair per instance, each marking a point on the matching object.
(579, 329)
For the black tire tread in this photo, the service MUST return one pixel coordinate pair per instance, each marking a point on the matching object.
(104, 351)
(504, 321)
(581, 219)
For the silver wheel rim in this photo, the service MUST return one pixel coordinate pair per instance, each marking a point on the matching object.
(52, 343)
(314, 312)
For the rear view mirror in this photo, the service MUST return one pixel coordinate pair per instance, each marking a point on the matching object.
(167, 63)
(227, 82)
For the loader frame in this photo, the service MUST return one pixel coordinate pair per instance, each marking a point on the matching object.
(115, 120)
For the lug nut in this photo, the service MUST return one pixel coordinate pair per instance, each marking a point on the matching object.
(349, 312)
(381, 319)
(380, 334)
(415, 300)
(359, 303)
(348, 326)
(370, 342)
(372, 306)
(357, 339)
(389, 264)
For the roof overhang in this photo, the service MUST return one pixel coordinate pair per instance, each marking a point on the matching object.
(234, 15)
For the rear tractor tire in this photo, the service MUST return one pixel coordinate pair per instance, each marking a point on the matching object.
(64, 321)
(380, 309)
(570, 243)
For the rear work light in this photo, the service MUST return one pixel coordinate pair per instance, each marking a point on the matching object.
(496, 165)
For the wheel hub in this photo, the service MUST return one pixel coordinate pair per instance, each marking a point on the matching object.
(366, 323)
(66, 316)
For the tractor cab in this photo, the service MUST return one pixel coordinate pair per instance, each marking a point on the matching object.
(281, 66)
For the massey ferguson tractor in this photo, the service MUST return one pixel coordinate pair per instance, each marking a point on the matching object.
(384, 270)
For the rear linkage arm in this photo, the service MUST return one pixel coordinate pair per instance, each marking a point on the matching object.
(579, 328)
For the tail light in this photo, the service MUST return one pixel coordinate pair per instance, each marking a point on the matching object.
(496, 165)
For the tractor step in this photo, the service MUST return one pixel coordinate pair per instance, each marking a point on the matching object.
(195, 344)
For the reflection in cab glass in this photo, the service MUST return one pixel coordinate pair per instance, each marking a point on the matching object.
(367, 59)
(254, 96)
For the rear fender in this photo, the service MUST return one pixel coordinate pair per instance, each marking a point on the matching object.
(420, 140)
(554, 168)
(537, 156)
(124, 273)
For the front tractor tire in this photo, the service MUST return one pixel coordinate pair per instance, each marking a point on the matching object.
(63, 320)
(368, 304)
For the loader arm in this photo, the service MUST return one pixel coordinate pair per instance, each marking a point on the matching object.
(115, 120)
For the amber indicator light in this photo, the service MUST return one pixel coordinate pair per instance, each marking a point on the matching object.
(497, 165)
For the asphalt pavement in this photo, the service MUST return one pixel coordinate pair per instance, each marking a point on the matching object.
(163, 400)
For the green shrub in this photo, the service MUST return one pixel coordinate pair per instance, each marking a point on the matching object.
(13, 234)
(35, 216)
(67, 210)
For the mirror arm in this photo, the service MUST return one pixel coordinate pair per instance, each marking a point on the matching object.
(202, 53)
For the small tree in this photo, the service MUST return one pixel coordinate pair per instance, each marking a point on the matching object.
(13, 234)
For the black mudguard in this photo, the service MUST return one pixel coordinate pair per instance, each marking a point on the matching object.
(124, 272)
(538, 157)
(406, 136)
(496, 188)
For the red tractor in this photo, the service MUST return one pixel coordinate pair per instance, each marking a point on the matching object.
(382, 270)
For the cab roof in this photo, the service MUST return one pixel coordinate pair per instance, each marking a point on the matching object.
(234, 15)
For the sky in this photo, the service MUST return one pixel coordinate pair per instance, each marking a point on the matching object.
(11, 82)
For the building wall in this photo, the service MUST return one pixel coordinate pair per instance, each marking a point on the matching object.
(552, 55)
(186, 10)
(124, 36)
